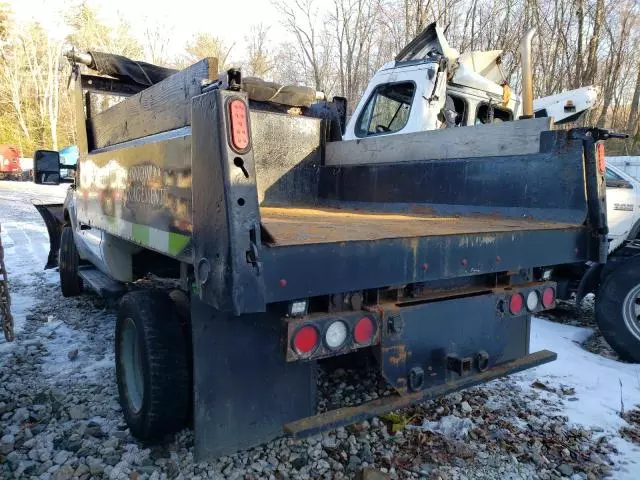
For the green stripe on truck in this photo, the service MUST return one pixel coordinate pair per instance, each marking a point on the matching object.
(140, 233)
(177, 243)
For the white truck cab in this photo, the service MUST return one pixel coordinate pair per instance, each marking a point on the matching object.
(430, 85)
(623, 206)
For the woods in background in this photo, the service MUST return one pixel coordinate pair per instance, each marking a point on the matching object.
(336, 46)
(579, 43)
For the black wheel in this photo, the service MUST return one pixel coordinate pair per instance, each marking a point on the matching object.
(152, 367)
(70, 282)
(618, 310)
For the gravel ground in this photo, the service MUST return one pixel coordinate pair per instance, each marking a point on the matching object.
(60, 419)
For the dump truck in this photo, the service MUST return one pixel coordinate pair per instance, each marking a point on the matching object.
(249, 245)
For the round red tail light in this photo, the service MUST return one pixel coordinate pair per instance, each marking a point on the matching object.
(364, 330)
(548, 297)
(515, 303)
(305, 340)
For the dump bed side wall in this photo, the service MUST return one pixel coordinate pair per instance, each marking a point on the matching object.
(508, 138)
(546, 186)
(140, 190)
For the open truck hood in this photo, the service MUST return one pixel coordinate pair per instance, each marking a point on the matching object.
(485, 64)
(430, 40)
(472, 69)
(480, 70)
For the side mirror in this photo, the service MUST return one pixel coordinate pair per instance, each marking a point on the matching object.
(341, 105)
(46, 167)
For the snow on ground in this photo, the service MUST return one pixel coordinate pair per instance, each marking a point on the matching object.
(602, 386)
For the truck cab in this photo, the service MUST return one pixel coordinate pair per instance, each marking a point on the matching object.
(430, 86)
(623, 206)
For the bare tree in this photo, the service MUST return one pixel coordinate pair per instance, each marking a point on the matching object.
(204, 45)
(303, 19)
(354, 22)
(632, 123)
(157, 41)
(591, 68)
(259, 62)
(577, 81)
(337, 46)
(12, 67)
(42, 54)
(89, 33)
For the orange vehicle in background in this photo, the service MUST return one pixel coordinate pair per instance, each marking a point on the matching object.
(10, 162)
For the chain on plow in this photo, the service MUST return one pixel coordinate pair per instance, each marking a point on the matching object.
(5, 299)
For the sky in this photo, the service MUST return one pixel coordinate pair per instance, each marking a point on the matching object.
(229, 20)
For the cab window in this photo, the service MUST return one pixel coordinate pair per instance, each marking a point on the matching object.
(483, 114)
(387, 109)
(610, 175)
(454, 112)
(614, 180)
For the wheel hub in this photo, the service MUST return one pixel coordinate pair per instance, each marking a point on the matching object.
(631, 311)
(131, 356)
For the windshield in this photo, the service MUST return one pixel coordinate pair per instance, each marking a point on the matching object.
(387, 109)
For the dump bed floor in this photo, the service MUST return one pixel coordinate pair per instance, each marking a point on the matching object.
(303, 226)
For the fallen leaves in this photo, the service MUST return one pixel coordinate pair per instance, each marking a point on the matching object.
(632, 432)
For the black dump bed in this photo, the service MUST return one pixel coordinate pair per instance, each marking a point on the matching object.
(333, 216)
(365, 225)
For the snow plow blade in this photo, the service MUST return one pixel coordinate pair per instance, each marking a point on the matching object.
(53, 216)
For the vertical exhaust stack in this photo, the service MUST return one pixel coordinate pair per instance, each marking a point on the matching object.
(527, 73)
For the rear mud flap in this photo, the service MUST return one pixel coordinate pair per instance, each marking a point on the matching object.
(53, 216)
(244, 390)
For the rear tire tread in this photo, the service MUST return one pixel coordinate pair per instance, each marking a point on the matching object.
(166, 391)
(69, 260)
(608, 310)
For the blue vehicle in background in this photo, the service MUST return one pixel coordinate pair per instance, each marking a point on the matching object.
(68, 157)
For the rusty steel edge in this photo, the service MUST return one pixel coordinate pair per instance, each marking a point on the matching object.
(348, 415)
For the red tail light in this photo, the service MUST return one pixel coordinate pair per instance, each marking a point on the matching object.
(364, 330)
(305, 340)
(548, 297)
(516, 302)
(602, 161)
(239, 126)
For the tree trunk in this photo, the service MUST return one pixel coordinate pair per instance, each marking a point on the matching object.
(577, 81)
(592, 59)
(632, 123)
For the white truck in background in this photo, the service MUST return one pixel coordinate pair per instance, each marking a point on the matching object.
(623, 206)
(629, 164)
(470, 89)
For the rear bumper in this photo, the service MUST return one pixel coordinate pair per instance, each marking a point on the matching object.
(345, 416)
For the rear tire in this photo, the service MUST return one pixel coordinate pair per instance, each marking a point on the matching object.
(70, 282)
(617, 310)
(152, 368)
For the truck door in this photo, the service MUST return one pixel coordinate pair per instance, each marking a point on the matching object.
(621, 205)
